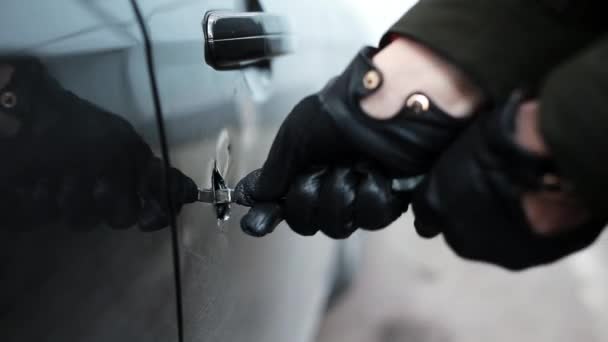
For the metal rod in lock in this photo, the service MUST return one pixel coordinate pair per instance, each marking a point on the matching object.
(226, 195)
(219, 196)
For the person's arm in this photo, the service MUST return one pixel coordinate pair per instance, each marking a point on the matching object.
(425, 84)
(500, 45)
(574, 122)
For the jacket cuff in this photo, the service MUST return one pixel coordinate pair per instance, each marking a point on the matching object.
(501, 44)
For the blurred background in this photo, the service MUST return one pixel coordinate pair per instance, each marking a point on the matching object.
(412, 290)
(378, 16)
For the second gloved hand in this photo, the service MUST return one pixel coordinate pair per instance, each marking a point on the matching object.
(329, 130)
(473, 197)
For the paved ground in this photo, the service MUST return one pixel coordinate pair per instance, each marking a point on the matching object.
(413, 290)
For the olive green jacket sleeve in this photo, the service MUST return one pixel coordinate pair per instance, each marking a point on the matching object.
(574, 122)
(500, 44)
(503, 45)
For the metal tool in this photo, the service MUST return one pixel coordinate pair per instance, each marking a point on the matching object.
(217, 196)
(226, 195)
(406, 184)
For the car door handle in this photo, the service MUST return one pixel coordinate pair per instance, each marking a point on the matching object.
(236, 40)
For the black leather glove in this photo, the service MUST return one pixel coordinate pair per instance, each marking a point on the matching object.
(329, 130)
(473, 196)
(72, 162)
(335, 201)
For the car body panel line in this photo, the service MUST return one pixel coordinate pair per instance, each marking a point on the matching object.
(165, 152)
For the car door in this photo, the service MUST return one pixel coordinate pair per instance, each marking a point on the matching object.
(92, 284)
(221, 115)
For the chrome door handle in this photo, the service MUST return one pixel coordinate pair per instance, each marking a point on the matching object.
(237, 40)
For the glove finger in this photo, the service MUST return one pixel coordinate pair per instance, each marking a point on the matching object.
(377, 205)
(262, 219)
(302, 203)
(117, 202)
(245, 189)
(307, 137)
(427, 220)
(576, 240)
(152, 217)
(425, 230)
(336, 203)
(182, 188)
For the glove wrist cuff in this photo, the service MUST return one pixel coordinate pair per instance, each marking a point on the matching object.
(406, 144)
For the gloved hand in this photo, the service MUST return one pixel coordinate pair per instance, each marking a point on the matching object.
(335, 200)
(328, 130)
(72, 162)
(473, 196)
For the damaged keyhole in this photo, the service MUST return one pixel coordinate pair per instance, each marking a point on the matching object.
(222, 210)
(219, 195)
